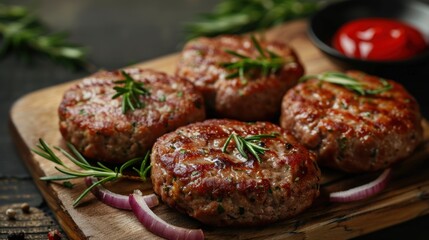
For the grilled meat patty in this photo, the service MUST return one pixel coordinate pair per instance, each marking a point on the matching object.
(192, 174)
(258, 97)
(352, 132)
(95, 124)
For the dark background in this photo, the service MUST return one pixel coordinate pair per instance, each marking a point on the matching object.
(117, 34)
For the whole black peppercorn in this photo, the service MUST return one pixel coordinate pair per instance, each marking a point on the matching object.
(16, 236)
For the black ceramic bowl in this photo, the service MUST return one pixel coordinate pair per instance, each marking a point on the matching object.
(324, 24)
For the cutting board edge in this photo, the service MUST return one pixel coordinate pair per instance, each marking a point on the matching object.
(63, 217)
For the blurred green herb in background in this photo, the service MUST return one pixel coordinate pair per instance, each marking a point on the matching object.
(240, 16)
(21, 33)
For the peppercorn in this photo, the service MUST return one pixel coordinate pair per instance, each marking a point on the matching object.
(16, 236)
(25, 207)
(10, 213)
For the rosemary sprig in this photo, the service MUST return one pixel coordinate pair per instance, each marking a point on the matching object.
(348, 82)
(103, 173)
(240, 16)
(26, 36)
(266, 63)
(144, 167)
(130, 92)
(250, 143)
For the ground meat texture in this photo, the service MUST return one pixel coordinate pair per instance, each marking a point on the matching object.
(351, 132)
(94, 123)
(192, 174)
(258, 99)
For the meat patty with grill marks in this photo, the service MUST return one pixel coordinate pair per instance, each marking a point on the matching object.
(254, 98)
(192, 174)
(96, 125)
(353, 132)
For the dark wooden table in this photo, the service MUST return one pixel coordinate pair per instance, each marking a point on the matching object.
(117, 34)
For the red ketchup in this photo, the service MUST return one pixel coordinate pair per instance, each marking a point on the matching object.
(379, 39)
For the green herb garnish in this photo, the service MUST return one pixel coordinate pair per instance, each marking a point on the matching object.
(266, 63)
(220, 209)
(144, 167)
(68, 184)
(163, 98)
(240, 16)
(24, 35)
(101, 172)
(250, 143)
(130, 92)
(241, 210)
(342, 145)
(348, 82)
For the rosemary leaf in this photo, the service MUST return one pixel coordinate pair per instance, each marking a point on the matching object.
(240, 146)
(348, 82)
(258, 47)
(144, 167)
(236, 54)
(68, 184)
(57, 178)
(77, 153)
(129, 163)
(225, 145)
(84, 193)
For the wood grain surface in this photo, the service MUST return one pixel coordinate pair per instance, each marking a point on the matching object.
(31, 225)
(34, 116)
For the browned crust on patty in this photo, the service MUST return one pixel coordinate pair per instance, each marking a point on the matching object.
(351, 132)
(192, 174)
(258, 99)
(93, 122)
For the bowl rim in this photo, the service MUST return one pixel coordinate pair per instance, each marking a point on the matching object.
(330, 50)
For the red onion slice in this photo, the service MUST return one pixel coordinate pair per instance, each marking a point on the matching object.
(362, 192)
(113, 199)
(158, 226)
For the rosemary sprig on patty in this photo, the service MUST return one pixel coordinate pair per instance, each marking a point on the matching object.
(101, 172)
(250, 143)
(266, 63)
(130, 92)
(348, 82)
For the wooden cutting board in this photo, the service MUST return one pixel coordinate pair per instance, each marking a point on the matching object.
(34, 116)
